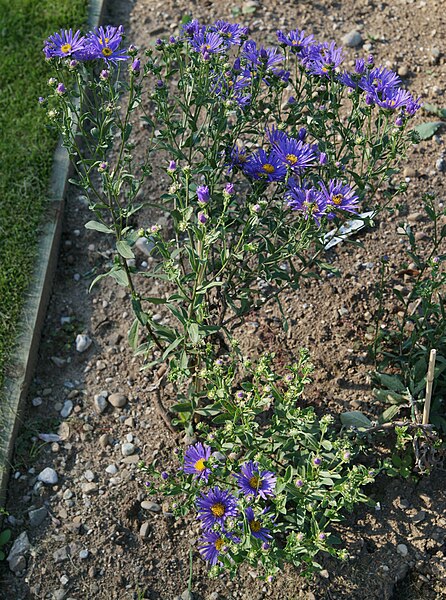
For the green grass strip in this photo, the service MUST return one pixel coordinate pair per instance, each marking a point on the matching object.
(26, 146)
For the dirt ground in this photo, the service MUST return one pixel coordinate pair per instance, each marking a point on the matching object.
(88, 543)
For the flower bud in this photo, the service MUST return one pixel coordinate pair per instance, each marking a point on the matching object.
(103, 166)
(323, 158)
(172, 167)
(202, 218)
(136, 66)
(104, 75)
(203, 194)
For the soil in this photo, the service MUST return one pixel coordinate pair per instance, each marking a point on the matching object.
(89, 545)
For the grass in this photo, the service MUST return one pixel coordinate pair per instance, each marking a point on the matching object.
(26, 146)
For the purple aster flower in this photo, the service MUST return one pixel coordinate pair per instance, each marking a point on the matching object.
(261, 165)
(340, 196)
(309, 201)
(238, 158)
(202, 217)
(211, 546)
(379, 80)
(295, 154)
(391, 99)
(360, 66)
(216, 506)
(296, 39)
(203, 194)
(64, 43)
(104, 44)
(231, 33)
(207, 42)
(412, 106)
(136, 66)
(251, 480)
(255, 526)
(192, 28)
(265, 58)
(195, 459)
(325, 59)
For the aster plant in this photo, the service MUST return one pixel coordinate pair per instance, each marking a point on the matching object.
(279, 477)
(261, 150)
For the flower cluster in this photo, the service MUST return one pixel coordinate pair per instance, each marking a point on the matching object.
(226, 516)
(101, 43)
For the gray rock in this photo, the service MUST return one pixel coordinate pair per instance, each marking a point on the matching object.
(402, 550)
(36, 517)
(352, 39)
(59, 594)
(186, 595)
(48, 476)
(89, 475)
(37, 401)
(83, 554)
(104, 440)
(100, 404)
(440, 165)
(89, 488)
(144, 529)
(20, 547)
(83, 342)
(61, 554)
(420, 516)
(145, 246)
(17, 564)
(152, 506)
(111, 469)
(118, 400)
(66, 409)
(403, 71)
(415, 217)
(128, 449)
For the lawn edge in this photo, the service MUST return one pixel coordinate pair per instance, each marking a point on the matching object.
(23, 362)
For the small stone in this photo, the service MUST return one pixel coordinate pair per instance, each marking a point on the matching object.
(89, 475)
(111, 469)
(36, 401)
(435, 54)
(104, 440)
(101, 365)
(414, 217)
(17, 563)
(66, 409)
(83, 554)
(20, 547)
(440, 165)
(144, 529)
(157, 317)
(352, 39)
(128, 449)
(118, 400)
(36, 517)
(403, 71)
(59, 362)
(59, 594)
(420, 516)
(404, 503)
(325, 574)
(409, 172)
(420, 236)
(402, 550)
(48, 476)
(100, 404)
(144, 245)
(83, 342)
(64, 580)
(67, 495)
(61, 554)
(89, 488)
(152, 506)
(186, 595)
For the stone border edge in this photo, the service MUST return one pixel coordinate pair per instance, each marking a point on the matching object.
(30, 326)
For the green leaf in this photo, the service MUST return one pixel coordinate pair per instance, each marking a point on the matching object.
(193, 333)
(427, 130)
(436, 110)
(124, 249)
(133, 334)
(5, 536)
(355, 418)
(391, 382)
(389, 413)
(120, 276)
(98, 227)
(181, 407)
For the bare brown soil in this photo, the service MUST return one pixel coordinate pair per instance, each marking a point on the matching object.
(331, 317)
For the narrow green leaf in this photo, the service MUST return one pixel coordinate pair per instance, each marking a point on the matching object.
(133, 334)
(98, 227)
(124, 249)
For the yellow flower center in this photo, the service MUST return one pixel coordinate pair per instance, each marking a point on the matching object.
(268, 168)
(65, 48)
(106, 40)
(218, 509)
(294, 43)
(219, 544)
(291, 158)
(325, 69)
(337, 199)
(107, 51)
(311, 208)
(199, 465)
(254, 482)
(254, 525)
